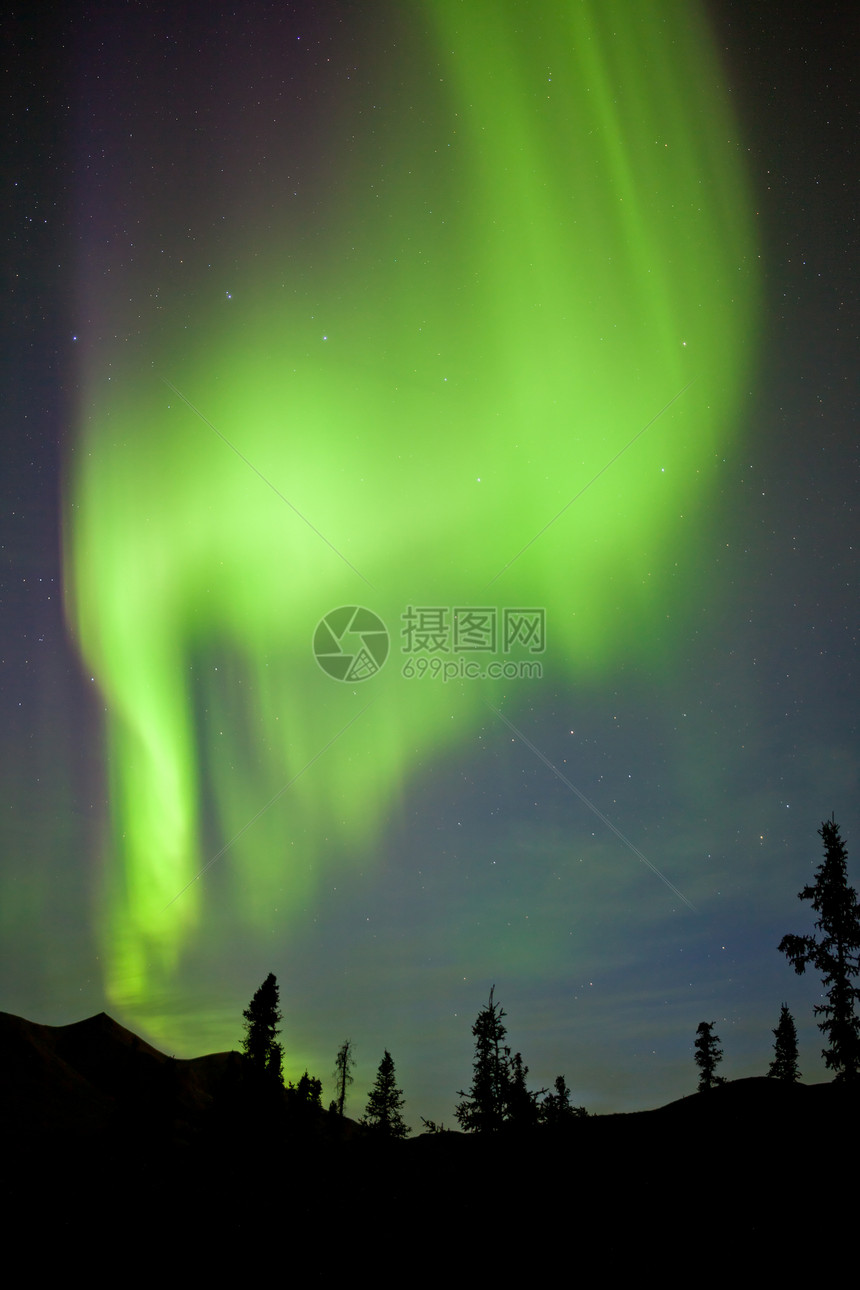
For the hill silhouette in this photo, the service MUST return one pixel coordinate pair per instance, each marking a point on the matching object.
(100, 1125)
(94, 1079)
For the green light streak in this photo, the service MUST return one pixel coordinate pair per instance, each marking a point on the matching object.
(487, 330)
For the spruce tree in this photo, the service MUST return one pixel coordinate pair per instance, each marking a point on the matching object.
(309, 1090)
(484, 1107)
(522, 1106)
(556, 1108)
(262, 1017)
(835, 953)
(385, 1103)
(784, 1064)
(708, 1054)
(344, 1063)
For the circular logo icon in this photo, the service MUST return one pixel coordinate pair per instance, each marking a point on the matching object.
(351, 643)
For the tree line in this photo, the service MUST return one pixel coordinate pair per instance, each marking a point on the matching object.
(499, 1096)
(265, 1053)
(834, 951)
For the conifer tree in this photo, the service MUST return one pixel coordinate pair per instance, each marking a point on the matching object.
(262, 1017)
(556, 1107)
(835, 953)
(385, 1103)
(522, 1108)
(484, 1106)
(708, 1054)
(784, 1064)
(309, 1090)
(344, 1064)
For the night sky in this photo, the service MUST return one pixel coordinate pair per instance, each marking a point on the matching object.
(546, 315)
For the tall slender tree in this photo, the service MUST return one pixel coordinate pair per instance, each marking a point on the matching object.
(262, 1018)
(708, 1054)
(484, 1106)
(834, 952)
(385, 1103)
(344, 1064)
(784, 1064)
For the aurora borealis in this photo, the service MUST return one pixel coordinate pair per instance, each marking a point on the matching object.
(424, 308)
(462, 357)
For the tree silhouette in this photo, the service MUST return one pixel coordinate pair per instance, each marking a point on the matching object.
(556, 1107)
(344, 1063)
(835, 953)
(784, 1064)
(430, 1126)
(385, 1103)
(708, 1054)
(262, 1016)
(522, 1107)
(483, 1108)
(309, 1090)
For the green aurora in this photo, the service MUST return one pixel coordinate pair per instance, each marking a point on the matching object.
(537, 250)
